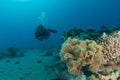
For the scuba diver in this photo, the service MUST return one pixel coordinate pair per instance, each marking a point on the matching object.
(42, 33)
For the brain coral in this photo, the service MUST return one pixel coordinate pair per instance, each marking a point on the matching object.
(77, 54)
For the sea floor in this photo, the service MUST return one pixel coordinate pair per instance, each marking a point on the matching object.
(29, 67)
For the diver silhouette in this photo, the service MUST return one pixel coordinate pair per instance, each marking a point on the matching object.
(42, 33)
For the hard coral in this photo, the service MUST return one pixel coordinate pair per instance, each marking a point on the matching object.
(77, 54)
(111, 52)
(111, 46)
(112, 76)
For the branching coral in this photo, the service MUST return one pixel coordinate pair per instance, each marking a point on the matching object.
(111, 46)
(111, 52)
(77, 54)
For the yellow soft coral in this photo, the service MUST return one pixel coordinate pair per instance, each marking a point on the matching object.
(77, 54)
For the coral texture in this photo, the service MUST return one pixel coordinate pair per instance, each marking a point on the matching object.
(77, 54)
(112, 76)
(111, 46)
(102, 60)
(111, 52)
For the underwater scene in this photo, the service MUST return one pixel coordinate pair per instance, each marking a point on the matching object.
(59, 39)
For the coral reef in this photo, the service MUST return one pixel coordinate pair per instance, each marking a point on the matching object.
(77, 54)
(104, 29)
(90, 33)
(92, 77)
(93, 59)
(111, 52)
(116, 28)
(111, 45)
(112, 76)
(75, 32)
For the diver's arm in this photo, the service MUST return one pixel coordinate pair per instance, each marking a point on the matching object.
(51, 30)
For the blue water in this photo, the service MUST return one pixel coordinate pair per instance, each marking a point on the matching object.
(19, 19)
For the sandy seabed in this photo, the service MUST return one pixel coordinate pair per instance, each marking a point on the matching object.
(29, 67)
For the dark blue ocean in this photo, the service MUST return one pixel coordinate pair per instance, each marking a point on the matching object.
(23, 57)
(19, 19)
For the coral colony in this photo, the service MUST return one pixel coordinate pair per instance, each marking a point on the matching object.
(99, 58)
